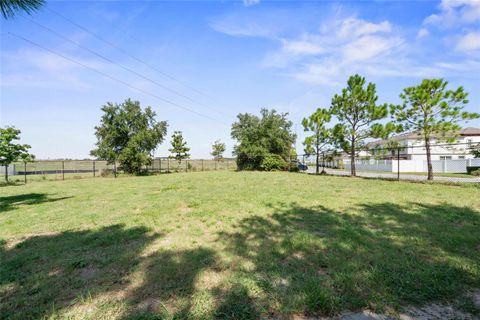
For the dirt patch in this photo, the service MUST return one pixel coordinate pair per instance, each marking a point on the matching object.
(184, 208)
(476, 298)
(88, 273)
(434, 312)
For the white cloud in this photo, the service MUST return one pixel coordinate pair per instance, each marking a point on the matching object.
(242, 26)
(341, 46)
(469, 42)
(356, 27)
(302, 46)
(249, 3)
(455, 12)
(460, 20)
(369, 47)
(422, 33)
(43, 69)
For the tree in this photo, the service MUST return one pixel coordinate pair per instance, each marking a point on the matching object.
(258, 137)
(475, 150)
(10, 151)
(218, 148)
(388, 150)
(10, 8)
(128, 135)
(321, 136)
(179, 147)
(357, 113)
(433, 112)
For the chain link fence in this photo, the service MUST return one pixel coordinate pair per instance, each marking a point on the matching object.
(450, 162)
(44, 170)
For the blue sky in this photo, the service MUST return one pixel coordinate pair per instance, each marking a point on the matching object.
(221, 58)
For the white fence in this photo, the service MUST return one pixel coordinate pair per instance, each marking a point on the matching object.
(441, 166)
(11, 170)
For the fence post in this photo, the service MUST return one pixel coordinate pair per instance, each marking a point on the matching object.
(215, 165)
(94, 168)
(202, 164)
(186, 165)
(63, 170)
(115, 168)
(25, 172)
(227, 164)
(160, 165)
(444, 165)
(168, 165)
(398, 164)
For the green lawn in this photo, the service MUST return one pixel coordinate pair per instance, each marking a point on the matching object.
(234, 245)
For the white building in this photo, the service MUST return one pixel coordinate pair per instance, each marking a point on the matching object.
(412, 146)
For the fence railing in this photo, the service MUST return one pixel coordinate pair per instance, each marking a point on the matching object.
(78, 169)
(451, 162)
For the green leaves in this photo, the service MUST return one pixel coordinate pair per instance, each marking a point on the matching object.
(128, 135)
(358, 113)
(259, 136)
(10, 151)
(179, 147)
(218, 148)
(9, 8)
(432, 110)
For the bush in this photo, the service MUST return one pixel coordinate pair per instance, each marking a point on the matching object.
(273, 162)
(471, 169)
(475, 173)
(293, 167)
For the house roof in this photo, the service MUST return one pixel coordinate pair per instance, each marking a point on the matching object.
(470, 131)
(466, 132)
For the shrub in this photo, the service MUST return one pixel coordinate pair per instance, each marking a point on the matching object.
(471, 169)
(293, 167)
(273, 162)
(475, 173)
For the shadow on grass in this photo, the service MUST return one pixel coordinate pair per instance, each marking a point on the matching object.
(10, 202)
(45, 274)
(169, 284)
(299, 260)
(381, 256)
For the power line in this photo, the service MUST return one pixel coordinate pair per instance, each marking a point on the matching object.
(119, 65)
(115, 79)
(129, 54)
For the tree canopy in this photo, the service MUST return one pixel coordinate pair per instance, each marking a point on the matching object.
(10, 8)
(433, 112)
(179, 147)
(357, 113)
(258, 137)
(11, 151)
(218, 148)
(475, 150)
(320, 135)
(128, 135)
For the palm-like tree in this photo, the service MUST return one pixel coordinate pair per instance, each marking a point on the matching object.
(10, 8)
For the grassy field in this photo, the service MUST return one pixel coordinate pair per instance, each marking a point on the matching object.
(234, 245)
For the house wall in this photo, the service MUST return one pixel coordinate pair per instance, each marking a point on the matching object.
(439, 166)
(415, 149)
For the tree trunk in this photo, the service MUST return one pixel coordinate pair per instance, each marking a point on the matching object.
(317, 163)
(353, 171)
(323, 163)
(429, 159)
(6, 173)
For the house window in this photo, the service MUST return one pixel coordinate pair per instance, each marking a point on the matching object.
(469, 141)
(461, 157)
(445, 157)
